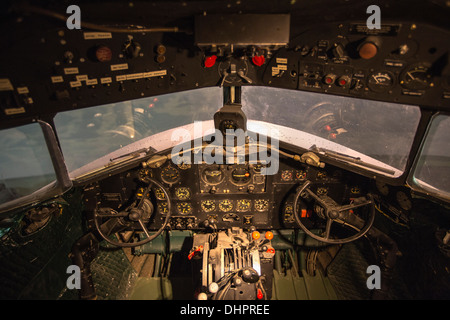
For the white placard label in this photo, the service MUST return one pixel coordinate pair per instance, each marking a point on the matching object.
(57, 79)
(106, 80)
(117, 67)
(97, 35)
(23, 90)
(75, 84)
(155, 73)
(135, 76)
(11, 111)
(5, 85)
(83, 77)
(71, 70)
(282, 60)
(91, 82)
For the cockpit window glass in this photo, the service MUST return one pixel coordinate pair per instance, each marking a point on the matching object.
(432, 168)
(88, 134)
(25, 163)
(380, 130)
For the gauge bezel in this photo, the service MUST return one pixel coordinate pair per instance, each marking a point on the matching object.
(266, 205)
(381, 88)
(236, 183)
(202, 175)
(208, 210)
(189, 194)
(415, 85)
(167, 181)
(229, 201)
(179, 204)
(248, 205)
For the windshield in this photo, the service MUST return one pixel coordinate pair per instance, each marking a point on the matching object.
(88, 134)
(432, 167)
(26, 165)
(378, 130)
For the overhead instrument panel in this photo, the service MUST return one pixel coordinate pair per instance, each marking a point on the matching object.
(403, 62)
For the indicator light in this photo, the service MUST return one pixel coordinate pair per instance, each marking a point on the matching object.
(210, 61)
(329, 78)
(258, 60)
(343, 81)
(259, 295)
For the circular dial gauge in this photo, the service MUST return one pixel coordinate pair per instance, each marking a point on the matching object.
(287, 175)
(184, 208)
(144, 174)
(212, 175)
(300, 175)
(416, 77)
(241, 176)
(225, 205)
(321, 175)
(159, 194)
(243, 205)
(380, 81)
(140, 193)
(170, 175)
(208, 205)
(184, 165)
(257, 168)
(261, 204)
(163, 208)
(183, 193)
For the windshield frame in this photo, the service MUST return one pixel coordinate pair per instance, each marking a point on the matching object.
(423, 188)
(62, 183)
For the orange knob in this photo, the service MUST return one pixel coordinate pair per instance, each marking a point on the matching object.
(255, 235)
(269, 235)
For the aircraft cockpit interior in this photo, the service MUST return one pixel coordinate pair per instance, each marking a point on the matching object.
(225, 150)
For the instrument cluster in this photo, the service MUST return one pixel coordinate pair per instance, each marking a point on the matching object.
(204, 196)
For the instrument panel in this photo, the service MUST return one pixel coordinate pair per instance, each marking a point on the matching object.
(403, 62)
(212, 196)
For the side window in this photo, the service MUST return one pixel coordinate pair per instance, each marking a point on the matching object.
(432, 168)
(25, 163)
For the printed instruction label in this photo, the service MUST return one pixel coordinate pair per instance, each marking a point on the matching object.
(97, 35)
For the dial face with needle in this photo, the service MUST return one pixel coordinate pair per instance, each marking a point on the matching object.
(416, 77)
(380, 81)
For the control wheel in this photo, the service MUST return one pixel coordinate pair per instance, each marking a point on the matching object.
(134, 218)
(329, 210)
